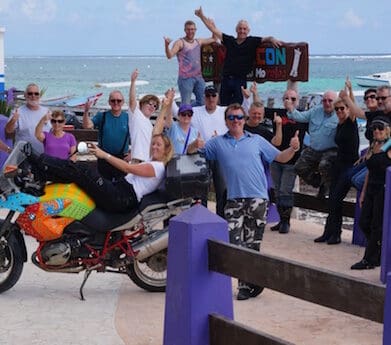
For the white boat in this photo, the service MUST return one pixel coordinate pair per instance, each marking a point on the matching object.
(374, 80)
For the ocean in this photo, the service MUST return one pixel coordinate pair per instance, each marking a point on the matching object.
(77, 75)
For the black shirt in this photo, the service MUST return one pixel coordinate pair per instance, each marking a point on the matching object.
(261, 130)
(348, 142)
(239, 59)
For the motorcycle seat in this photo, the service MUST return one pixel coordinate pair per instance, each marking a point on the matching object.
(101, 221)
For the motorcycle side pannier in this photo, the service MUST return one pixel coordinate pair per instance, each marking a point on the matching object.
(187, 176)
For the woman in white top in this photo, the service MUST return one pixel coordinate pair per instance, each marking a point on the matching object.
(121, 195)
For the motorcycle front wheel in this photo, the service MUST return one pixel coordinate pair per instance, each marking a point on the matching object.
(151, 274)
(11, 263)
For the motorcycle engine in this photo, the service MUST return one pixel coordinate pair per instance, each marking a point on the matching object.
(56, 254)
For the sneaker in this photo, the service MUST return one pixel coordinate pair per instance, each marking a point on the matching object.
(256, 290)
(243, 294)
(363, 265)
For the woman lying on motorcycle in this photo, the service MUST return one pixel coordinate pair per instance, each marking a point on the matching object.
(121, 195)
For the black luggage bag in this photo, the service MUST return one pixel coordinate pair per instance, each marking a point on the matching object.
(187, 176)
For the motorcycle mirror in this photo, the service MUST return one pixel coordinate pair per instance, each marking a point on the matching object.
(82, 147)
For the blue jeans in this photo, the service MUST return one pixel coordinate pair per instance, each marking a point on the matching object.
(189, 85)
(284, 177)
(358, 175)
(231, 90)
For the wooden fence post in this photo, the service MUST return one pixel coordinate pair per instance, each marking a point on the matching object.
(193, 292)
(386, 240)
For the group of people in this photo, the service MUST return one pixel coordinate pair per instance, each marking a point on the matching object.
(228, 128)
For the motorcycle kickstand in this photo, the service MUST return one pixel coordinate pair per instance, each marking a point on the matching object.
(86, 276)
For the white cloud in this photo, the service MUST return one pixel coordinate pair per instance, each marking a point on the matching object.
(39, 10)
(133, 10)
(4, 5)
(352, 20)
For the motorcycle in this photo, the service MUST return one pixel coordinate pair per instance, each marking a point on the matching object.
(74, 236)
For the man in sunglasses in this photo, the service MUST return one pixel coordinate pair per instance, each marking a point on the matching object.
(113, 132)
(241, 155)
(315, 162)
(24, 119)
(209, 120)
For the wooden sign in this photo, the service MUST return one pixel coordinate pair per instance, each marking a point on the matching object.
(290, 61)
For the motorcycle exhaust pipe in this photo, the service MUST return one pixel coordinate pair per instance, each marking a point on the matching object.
(152, 245)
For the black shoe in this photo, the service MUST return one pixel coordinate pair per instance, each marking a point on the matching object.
(334, 239)
(284, 228)
(256, 290)
(363, 265)
(243, 294)
(276, 227)
(323, 192)
(321, 239)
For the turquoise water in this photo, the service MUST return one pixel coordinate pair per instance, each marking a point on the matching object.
(78, 75)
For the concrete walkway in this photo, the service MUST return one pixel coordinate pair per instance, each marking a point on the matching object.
(44, 308)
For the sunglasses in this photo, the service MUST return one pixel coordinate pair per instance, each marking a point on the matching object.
(153, 105)
(369, 97)
(293, 99)
(235, 117)
(382, 98)
(378, 126)
(116, 100)
(53, 121)
(32, 93)
(186, 113)
(339, 108)
(211, 95)
(327, 100)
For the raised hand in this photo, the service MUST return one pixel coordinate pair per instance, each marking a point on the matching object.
(167, 40)
(295, 142)
(277, 119)
(199, 142)
(245, 92)
(134, 75)
(199, 13)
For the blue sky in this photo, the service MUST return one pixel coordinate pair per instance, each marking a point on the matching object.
(137, 27)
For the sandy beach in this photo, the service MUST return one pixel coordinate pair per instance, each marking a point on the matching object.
(45, 308)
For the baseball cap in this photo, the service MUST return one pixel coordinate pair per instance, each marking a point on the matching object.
(185, 107)
(381, 119)
(210, 89)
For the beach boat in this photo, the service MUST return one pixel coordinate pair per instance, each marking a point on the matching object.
(374, 80)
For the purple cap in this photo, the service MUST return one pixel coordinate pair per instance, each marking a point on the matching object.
(185, 107)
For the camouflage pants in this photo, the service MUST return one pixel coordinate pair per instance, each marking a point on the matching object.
(246, 219)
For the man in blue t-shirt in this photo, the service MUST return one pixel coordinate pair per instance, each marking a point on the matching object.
(240, 155)
(113, 136)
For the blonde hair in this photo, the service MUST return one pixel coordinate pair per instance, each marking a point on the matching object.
(168, 147)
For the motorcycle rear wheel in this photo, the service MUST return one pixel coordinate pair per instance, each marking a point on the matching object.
(11, 263)
(151, 274)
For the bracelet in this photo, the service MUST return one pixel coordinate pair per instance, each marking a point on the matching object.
(108, 156)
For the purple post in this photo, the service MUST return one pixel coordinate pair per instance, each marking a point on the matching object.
(272, 213)
(386, 240)
(193, 292)
(387, 313)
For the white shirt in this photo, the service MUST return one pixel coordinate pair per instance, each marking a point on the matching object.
(25, 126)
(140, 131)
(144, 185)
(209, 124)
